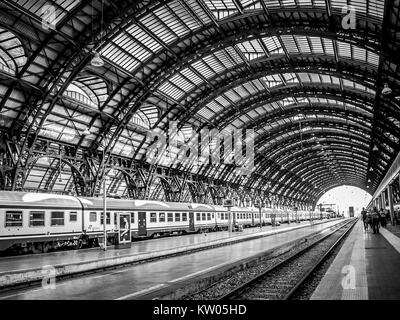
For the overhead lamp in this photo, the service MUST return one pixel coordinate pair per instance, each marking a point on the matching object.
(386, 89)
(375, 148)
(369, 180)
(371, 169)
(368, 187)
(97, 61)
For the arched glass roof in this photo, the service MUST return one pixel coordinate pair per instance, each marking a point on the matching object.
(309, 87)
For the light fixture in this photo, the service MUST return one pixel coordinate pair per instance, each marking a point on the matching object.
(369, 180)
(368, 187)
(371, 169)
(375, 148)
(386, 89)
(97, 61)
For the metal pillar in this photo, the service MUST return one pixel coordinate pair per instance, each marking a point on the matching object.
(390, 198)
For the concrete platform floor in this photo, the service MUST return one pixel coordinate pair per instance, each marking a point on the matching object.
(136, 280)
(366, 268)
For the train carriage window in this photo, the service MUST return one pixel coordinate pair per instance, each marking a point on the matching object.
(184, 216)
(198, 216)
(161, 217)
(177, 216)
(208, 216)
(203, 216)
(170, 217)
(93, 217)
(108, 218)
(36, 219)
(153, 217)
(212, 216)
(73, 216)
(13, 219)
(132, 217)
(57, 218)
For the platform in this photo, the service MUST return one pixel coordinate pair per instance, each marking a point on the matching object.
(139, 280)
(366, 268)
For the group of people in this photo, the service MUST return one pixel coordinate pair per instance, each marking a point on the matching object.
(375, 219)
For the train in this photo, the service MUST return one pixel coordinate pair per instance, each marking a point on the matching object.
(40, 222)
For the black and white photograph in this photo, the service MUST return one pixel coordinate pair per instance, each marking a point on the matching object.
(199, 158)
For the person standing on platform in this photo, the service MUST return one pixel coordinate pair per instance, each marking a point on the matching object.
(382, 216)
(364, 219)
(375, 220)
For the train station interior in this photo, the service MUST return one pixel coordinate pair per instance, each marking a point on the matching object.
(165, 149)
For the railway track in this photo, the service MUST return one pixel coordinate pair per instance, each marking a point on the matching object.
(281, 281)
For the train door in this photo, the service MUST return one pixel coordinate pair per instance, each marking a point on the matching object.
(191, 221)
(124, 228)
(142, 228)
(252, 218)
(234, 218)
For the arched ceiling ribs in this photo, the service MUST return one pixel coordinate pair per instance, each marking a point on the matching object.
(325, 127)
(216, 40)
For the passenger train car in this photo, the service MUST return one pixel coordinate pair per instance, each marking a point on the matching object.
(38, 222)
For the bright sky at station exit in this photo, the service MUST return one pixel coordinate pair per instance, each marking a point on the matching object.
(345, 197)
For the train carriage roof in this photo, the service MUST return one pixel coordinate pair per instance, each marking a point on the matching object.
(38, 200)
(145, 205)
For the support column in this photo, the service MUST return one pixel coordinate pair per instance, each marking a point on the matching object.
(390, 198)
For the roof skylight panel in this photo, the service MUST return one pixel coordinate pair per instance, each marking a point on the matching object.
(222, 101)
(251, 49)
(373, 58)
(144, 38)
(376, 8)
(215, 106)
(259, 84)
(234, 55)
(171, 90)
(232, 96)
(272, 3)
(290, 44)
(250, 87)
(251, 4)
(172, 22)
(214, 64)
(359, 53)
(288, 3)
(253, 114)
(199, 11)
(221, 8)
(158, 28)
(316, 45)
(192, 76)
(204, 69)
(344, 49)
(272, 81)
(206, 113)
(305, 2)
(241, 91)
(224, 58)
(302, 43)
(187, 17)
(133, 47)
(273, 45)
(290, 77)
(119, 57)
(182, 83)
(287, 101)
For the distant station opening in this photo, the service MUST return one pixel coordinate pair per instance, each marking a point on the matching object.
(346, 201)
